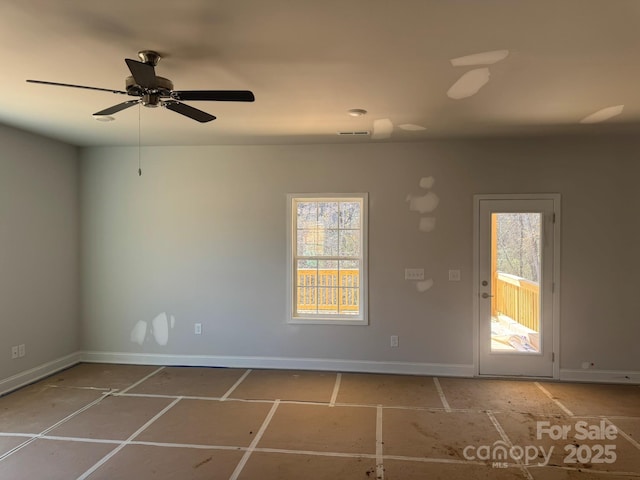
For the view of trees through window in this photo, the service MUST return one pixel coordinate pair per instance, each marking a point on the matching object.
(328, 256)
(518, 244)
(328, 229)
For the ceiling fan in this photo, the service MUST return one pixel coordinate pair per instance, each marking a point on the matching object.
(155, 91)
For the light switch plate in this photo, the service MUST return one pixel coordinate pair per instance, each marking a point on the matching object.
(414, 273)
(454, 275)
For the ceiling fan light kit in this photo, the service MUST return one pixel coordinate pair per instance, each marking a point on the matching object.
(104, 118)
(154, 91)
(357, 112)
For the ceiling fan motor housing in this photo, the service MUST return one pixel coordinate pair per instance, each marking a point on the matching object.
(161, 89)
(151, 100)
(149, 57)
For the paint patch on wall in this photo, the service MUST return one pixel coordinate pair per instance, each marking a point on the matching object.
(469, 83)
(410, 127)
(472, 81)
(423, 204)
(484, 58)
(160, 326)
(427, 182)
(424, 285)
(158, 330)
(139, 332)
(603, 114)
(382, 128)
(427, 224)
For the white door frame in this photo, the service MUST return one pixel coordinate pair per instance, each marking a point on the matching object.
(556, 271)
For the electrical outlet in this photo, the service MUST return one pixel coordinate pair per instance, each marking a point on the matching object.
(414, 273)
(21, 350)
(197, 329)
(454, 275)
(14, 352)
(394, 340)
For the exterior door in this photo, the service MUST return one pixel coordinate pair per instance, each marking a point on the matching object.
(515, 285)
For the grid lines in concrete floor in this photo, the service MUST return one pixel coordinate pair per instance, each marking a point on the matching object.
(99, 421)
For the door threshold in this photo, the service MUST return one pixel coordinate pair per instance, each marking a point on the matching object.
(513, 377)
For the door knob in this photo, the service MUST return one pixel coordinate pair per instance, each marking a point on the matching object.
(486, 295)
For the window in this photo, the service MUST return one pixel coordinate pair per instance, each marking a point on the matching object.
(327, 250)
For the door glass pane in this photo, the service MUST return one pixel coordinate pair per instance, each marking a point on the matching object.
(516, 243)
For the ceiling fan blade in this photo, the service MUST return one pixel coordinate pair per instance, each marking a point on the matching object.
(116, 108)
(214, 95)
(143, 73)
(76, 86)
(189, 111)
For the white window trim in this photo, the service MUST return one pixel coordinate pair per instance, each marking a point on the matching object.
(363, 318)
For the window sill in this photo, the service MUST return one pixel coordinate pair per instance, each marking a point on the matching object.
(327, 321)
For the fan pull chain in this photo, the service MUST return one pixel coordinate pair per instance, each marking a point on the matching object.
(139, 143)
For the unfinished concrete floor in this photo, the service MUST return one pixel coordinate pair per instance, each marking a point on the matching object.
(112, 422)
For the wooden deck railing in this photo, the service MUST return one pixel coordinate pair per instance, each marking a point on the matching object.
(328, 290)
(518, 299)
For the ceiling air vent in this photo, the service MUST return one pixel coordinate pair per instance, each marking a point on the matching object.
(358, 133)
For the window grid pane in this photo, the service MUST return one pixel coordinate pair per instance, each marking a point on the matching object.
(328, 260)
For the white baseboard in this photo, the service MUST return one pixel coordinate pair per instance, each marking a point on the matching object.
(407, 368)
(403, 368)
(600, 376)
(34, 374)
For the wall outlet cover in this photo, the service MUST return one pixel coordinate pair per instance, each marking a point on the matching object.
(414, 273)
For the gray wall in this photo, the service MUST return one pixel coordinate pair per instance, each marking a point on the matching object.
(201, 237)
(39, 250)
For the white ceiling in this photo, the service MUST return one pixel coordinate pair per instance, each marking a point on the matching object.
(309, 61)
